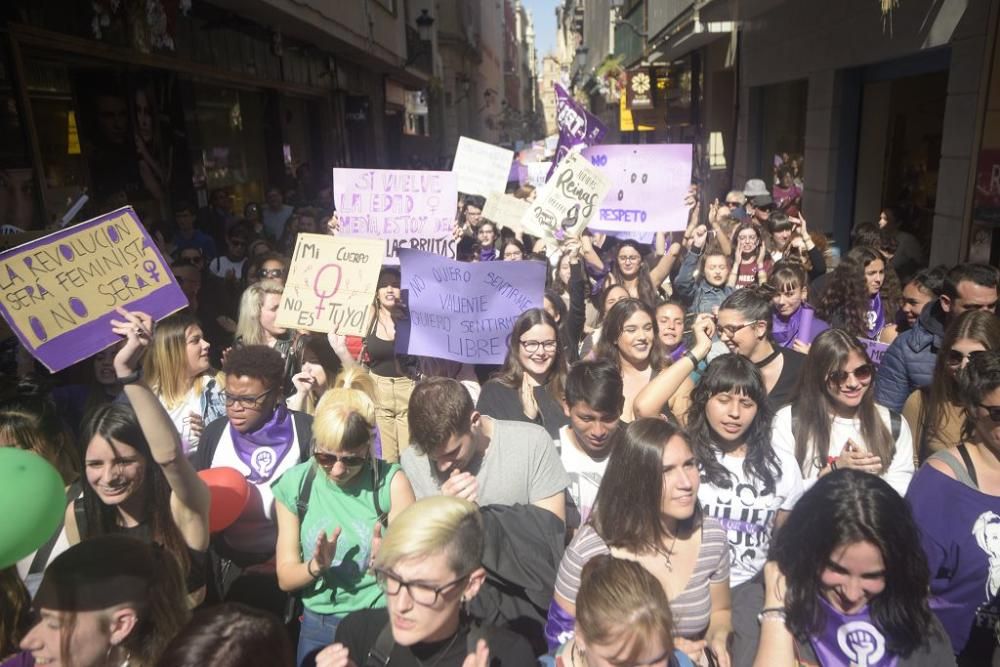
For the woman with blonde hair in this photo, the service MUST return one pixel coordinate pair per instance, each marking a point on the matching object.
(331, 511)
(257, 322)
(622, 616)
(178, 370)
(429, 564)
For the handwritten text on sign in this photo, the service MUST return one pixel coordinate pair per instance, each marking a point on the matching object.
(331, 283)
(568, 201)
(465, 311)
(875, 349)
(648, 185)
(71, 281)
(481, 168)
(408, 209)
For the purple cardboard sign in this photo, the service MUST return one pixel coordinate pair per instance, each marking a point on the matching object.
(577, 126)
(875, 349)
(59, 292)
(464, 311)
(406, 208)
(648, 186)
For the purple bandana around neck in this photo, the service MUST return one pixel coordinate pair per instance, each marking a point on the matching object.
(487, 254)
(263, 449)
(851, 639)
(678, 352)
(875, 317)
(784, 332)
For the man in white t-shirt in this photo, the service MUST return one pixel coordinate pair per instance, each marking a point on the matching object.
(594, 402)
(229, 265)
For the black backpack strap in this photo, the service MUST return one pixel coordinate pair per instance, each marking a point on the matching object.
(81, 518)
(383, 516)
(896, 424)
(305, 489)
(378, 655)
(971, 469)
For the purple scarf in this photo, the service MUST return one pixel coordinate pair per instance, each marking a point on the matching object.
(678, 352)
(851, 639)
(266, 447)
(784, 332)
(488, 254)
(875, 317)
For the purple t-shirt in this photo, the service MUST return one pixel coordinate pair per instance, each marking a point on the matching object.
(22, 659)
(960, 534)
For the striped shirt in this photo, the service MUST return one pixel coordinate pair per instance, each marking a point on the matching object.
(691, 609)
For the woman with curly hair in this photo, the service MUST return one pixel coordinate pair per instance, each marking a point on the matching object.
(745, 483)
(845, 583)
(529, 386)
(862, 297)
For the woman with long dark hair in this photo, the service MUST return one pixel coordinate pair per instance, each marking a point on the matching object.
(745, 483)
(630, 271)
(647, 510)
(138, 481)
(834, 421)
(794, 323)
(956, 502)
(862, 297)
(529, 386)
(751, 261)
(845, 583)
(935, 413)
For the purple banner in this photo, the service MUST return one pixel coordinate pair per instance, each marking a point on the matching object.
(60, 292)
(464, 311)
(875, 349)
(577, 126)
(648, 186)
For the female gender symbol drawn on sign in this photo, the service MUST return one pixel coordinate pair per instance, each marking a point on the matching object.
(323, 296)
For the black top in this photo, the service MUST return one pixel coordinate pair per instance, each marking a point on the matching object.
(501, 402)
(382, 357)
(788, 382)
(359, 630)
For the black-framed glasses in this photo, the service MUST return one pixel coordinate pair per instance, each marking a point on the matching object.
(732, 329)
(993, 411)
(531, 346)
(513, 255)
(270, 273)
(326, 460)
(422, 594)
(629, 259)
(245, 402)
(956, 358)
(862, 373)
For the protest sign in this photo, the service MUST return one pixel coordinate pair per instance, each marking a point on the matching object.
(60, 291)
(464, 311)
(535, 173)
(648, 186)
(481, 168)
(331, 283)
(505, 210)
(577, 126)
(407, 209)
(568, 201)
(875, 349)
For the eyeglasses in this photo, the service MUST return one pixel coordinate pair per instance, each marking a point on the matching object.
(862, 373)
(993, 411)
(513, 255)
(629, 259)
(732, 329)
(734, 203)
(270, 273)
(246, 402)
(956, 358)
(531, 346)
(426, 596)
(326, 460)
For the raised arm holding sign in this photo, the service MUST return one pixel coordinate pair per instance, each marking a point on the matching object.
(568, 201)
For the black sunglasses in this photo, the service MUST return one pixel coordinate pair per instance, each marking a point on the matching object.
(862, 373)
(993, 411)
(327, 461)
(270, 273)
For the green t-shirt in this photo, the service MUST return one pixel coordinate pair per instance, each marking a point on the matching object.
(347, 585)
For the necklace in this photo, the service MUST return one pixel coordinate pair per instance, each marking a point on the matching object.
(443, 653)
(667, 553)
(768, 359)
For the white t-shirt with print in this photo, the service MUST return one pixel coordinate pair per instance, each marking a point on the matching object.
(898, 474)
(584, 479)
(747, 514)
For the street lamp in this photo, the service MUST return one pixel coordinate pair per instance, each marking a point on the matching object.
(580, 59)
(424, 23)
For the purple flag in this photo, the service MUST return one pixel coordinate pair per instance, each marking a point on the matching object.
(577, 126)
(60, 291)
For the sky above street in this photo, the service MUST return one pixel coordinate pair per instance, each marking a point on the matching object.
(544, 14)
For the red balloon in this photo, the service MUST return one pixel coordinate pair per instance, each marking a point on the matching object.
(230, 493)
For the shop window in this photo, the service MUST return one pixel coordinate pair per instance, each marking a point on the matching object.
(716, 151)
(781, 112)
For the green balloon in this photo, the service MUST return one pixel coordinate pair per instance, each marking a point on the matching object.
(32, 502)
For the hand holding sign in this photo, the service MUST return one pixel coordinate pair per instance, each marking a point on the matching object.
(136, 328)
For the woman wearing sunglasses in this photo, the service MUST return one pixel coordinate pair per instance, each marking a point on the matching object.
(834, 421)
(956, 502)
(935, 413)
(429, 565)
(529, 386)
(330, 513)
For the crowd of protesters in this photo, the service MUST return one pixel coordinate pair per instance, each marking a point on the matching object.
(726, 446)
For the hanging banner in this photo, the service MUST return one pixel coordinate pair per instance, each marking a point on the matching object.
(648, 186)
(331, 283)
(568, 201)
(408, 209)
(464, 311)
(577, 126)
(506, 210)
(59, 292)
(639, 89)
(481, 168)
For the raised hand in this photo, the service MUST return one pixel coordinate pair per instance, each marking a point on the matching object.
(196, 423)
(326, 548)
(461, 485)
(137, 329)
(335, 655)
(481, 658)
(303, 382)
(528, 403)
(699, 236)
(376, 543)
